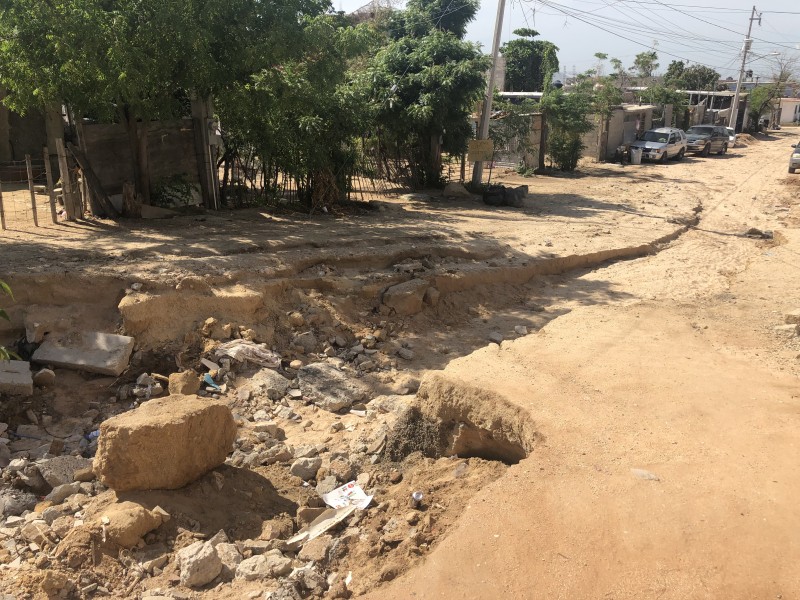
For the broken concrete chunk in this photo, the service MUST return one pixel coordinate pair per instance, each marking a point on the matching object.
(92, 351)
(406, 298)
(793, 318)
(329, 388)
(263, 566)
(15, 378)
(62, 492)
(306, 468)
(496, 337)
(199, 564)
(127, 522)
(185, 383)
(230, 557)
(164, 444)
(61, 469)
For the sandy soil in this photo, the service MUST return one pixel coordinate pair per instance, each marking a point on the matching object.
(685, 378)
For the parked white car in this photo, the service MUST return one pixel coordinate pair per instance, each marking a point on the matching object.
(794, 159)
(662, 144)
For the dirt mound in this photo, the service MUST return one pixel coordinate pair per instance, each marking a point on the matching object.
(746, 138)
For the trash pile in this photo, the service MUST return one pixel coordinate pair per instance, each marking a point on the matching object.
(253, 474)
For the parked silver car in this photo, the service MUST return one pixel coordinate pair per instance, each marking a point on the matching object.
(794, 159)
(662, 144)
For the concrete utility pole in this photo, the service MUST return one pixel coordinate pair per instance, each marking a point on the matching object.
(748, 42)
(486, 112)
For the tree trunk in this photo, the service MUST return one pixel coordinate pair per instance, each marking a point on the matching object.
(433, 166)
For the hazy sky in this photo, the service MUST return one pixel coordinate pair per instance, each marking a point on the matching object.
(710, 32)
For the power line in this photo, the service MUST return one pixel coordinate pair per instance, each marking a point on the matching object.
(577, 17)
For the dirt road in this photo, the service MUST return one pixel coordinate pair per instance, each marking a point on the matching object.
(684, 380)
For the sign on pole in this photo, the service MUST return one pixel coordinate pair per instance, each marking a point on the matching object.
(481, 150)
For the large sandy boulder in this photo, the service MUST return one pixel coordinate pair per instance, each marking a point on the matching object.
(166, 443)
(406, 298)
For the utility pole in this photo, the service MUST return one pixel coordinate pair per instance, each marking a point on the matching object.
(486, 112)
(748, 42)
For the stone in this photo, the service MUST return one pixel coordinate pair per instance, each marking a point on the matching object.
(406, 353)
(521, 330)
(14, 502)
(230, 557)
(456, 190)
(269, 427)
(44, 378)
(92, 351)
(793, 318)
(296, 319)
(264, 566)
(166, 443)
(406, 298)
(62, 492)
(327, 485)
(61, 469)
(185, 383)
(126, 523)
(276, 454)
(432, 296)
(499, 195)
(15, 378)
(306, 340)
(85, 474)
(316, 549)
(198, 564)
(36, 532)
(496, 337)
(306, 468)
(296, 364)
(787, 330)
(329, 388)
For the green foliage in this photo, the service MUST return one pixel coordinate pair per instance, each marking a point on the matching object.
(5, 353)
(174, 191)
(645, 63)
(674, 76)
(513, 126)
(530, 63)
(424, 83)
(566, 115)
(301, 116)
(759, 101)
(695, 77)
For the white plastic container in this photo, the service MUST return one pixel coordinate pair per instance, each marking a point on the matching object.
(636, 156)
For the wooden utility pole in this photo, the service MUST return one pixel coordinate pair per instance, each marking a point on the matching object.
(748, 42)
(486, 112)
(2, 210)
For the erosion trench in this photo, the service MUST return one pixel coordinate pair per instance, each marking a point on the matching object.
(341, 402)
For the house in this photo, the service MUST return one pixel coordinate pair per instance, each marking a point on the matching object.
(789, 111)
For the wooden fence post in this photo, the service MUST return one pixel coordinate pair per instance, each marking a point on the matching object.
(66, 183)
(2, 210)
(50, 190)
(30, 188)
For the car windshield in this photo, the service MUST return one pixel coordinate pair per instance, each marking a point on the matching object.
(730, 130)
(655, 136)
(700, 130)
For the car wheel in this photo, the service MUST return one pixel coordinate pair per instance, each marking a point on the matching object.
(706, 151)
(724, 149)
(664, 157)
(681, 154)
(791, 170)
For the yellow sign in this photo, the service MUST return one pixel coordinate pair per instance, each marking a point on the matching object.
(480, 150)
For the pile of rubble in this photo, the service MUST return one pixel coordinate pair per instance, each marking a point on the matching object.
(256, 475)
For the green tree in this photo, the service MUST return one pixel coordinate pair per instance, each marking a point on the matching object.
(134, 61)
(674, 76)
(300, 117)
(425, 82)
(601, 58)
(764, 98)
(530, 63)
(645, 63)
(699, 77)
(567, 121)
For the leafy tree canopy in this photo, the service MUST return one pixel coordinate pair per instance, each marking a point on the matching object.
(530, 63)
(645, 63)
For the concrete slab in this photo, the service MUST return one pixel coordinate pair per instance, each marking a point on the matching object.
(92, 351)
(16, 378)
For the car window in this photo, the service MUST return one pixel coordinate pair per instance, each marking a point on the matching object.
(655, 136)
(672, 139)
(700, 130)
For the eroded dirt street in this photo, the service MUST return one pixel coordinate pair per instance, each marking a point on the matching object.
(655, 399)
